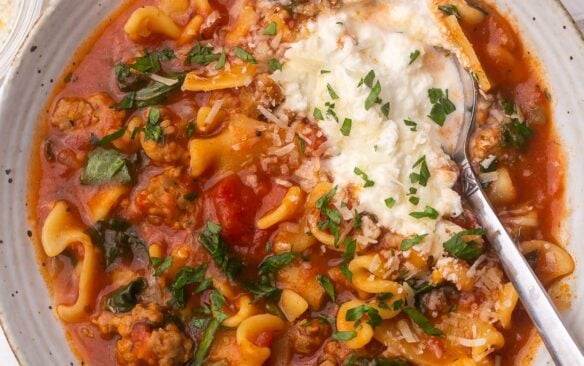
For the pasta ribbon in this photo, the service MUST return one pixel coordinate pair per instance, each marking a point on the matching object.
(292, 304)
(505, 305)
(191, 30)
(61, 230)
(364, 331)
(247, 18)
(150, 20)
(368, 277)
(101, 204)
(237, 76)
(248, 331)
(246, 309)
(290, 205)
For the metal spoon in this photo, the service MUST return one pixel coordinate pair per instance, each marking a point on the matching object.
(558, 341)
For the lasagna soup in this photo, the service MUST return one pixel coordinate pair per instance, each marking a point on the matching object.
(259, 182)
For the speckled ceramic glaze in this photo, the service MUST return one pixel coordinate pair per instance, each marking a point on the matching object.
(35, 334)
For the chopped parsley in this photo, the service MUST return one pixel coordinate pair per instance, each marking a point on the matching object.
(244, 55)
(423, 322)
(327, 285)
(411, 124)
(373, 97)
(274, 64)
(509, 107)
(442, 106)
(409, 243)
(414, 56)
(346, 127)
(385, 109)
(184, 277)
(317, 114)
(390, 202)
(424, 175)
(465, 250)
(331, 92)
(211, 240)
(344, 335)
(365, 177)
(153, 131)
(516, 134)
(271, 29)
(221, 61)
(429, 212)
(161, 265)
(368, 79)
(414, 200)
(191, 129)
(333, 217)
(355, 314)
(274, 263)
(202, 55)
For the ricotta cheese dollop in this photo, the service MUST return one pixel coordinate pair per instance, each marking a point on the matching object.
(365, 75)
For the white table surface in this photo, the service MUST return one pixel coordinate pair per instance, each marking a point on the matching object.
(576, 8)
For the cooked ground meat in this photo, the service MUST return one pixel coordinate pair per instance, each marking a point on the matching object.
(144, 339)
(307, 336)
(72, 113)
(439, 300)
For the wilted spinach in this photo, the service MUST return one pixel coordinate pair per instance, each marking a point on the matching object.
(125, 298)
(118, 239)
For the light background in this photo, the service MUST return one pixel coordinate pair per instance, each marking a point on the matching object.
(576, 8)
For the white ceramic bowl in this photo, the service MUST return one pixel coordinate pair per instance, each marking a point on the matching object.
(34, 333)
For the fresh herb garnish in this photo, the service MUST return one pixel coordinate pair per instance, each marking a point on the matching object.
(202, 55)
(317, 114)
(414, 56)
(333, 217)
(221, 61)
(344, 335)
(516, 134)
(409, 243)
(322, 72)
(117, 239)
(373, 97)
(161, 265)
(331, 92)
(411, 124)
(390, 202)
(212, 327)
(414, 200)
(385, 109)
(429, 212)
(442, 106)
(244, 55)
(365, 177)
(271, 29)
(274, 263)
(327, 285)
(105, 166)
(422, 177)
(274, 64)
(184, 277)
(191, 127)
(125, 298)
(423, 322)
(111, 137)
(153, 130)
(466, 250)
(211, 240)
(346, 127)
(355, 314)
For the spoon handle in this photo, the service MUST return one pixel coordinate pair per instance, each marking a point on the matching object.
(558, 341)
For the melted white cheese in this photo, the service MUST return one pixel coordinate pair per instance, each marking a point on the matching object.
(339, 50)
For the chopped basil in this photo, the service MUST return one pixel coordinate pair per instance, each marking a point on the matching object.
(411, 124)
(355, 314)
(317, 114)
(202, 55)
(357, 223)
(205, 344)
(423, 322)
(322, 72)
(117, 239)
(191, 196)
(385, 109)
(150, 62)
(368, 79)
(211, 240)
(111, 137)
(154, 93)
(153, 131)
(516, 134)
(424, 175)
(191, 129)
(344, 268)
(344, 335)
(274, 64)
(221, 61)
(429, 212)
(244, 55)
(161, 265)
(442, 106)
(356, 360)
(104, 166)
(450, 10)
(327, 285)
(509, 107)
(274, 263)
(346, 127)
(466, 250)
(373, 97)
(331, 92)
(409, 243)
(414, 56)
(333, 217)
(125, 298)
(390, 202)
(350, 247)
(264, 287)
(184, 277)
(368, 182)
(129, 79)
(271, 29)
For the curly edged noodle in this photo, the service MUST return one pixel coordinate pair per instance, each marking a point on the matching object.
(245, 309)
(247, 332)
(61, 230)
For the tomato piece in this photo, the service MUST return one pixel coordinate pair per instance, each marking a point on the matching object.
(264, 339)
